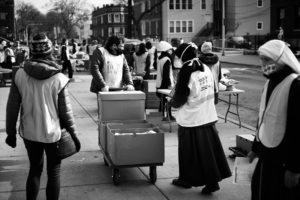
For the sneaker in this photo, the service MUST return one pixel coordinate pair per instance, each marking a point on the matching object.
(208, 189)
(181, 183)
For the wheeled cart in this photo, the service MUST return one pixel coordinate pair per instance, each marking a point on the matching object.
(125, 137)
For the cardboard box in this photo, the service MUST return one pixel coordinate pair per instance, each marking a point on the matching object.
(126, 146)
(121, 105)
(244, 142)
(102, 130)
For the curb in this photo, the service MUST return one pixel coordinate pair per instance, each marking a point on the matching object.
(233, 121)
(244, 64)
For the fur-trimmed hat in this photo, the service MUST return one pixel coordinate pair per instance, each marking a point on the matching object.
(186, 51)
(40, 44)
(164, 46)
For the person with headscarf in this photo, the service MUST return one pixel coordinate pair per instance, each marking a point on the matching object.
(39, 93)
(201, 157)
(211, 60)
(164, 77)
(277, 172)
(109, 67)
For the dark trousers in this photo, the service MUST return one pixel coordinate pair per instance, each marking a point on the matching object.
(35, 151)
(67, 65)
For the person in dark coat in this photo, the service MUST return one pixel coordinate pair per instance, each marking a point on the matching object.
(211, 60)
(202, 160)
(65, 58)
(109, 67)
(39, 92)
(277, 173)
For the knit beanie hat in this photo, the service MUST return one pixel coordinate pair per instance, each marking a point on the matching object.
(40, 44)
(206, 47)
(186, 51)
(164, 46)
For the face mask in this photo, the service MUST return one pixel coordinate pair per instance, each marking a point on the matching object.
(269, 69)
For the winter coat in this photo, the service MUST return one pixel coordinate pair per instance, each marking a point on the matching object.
(40, 70)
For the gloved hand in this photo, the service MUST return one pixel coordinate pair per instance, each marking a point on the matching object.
(105, 89)
(77, 143)
(130, 88)
(11, 140)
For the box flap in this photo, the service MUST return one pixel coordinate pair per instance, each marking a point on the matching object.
(121, 95)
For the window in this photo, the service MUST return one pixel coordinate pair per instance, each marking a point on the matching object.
(183, 4)
(117, 18)
(259, 3)
(3, 15)
(171, 26)
(148, 28)
(142, 7)
(259, 26)
(109, 18)
(101, 19)
(281, 16)
(143, 28)
(177, 4)
(190, 4)
(156, 27)
(183, 26)
(117, 30)
(148, 5)
(297, 18)
(110, 33)
(122, 18)
(203, 4)
(190, 26)
(178, 27)
(171, 4)
(102, 32)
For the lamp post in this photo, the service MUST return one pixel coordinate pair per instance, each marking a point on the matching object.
(26, 28)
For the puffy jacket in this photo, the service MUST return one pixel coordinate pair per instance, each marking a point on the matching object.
(39, 69)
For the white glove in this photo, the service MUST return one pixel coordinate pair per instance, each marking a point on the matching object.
(130, 88)
(105, 89)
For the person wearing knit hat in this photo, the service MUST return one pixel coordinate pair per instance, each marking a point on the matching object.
(212, 61)
(39, 93)
(202, 160)
(164, 77)
(277, 172)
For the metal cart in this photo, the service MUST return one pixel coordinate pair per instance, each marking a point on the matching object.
(125, 137)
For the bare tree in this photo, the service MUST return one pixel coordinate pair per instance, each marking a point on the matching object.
(137, 19)
(120, 1)
(72, 14)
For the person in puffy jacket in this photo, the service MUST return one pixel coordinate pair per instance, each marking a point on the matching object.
(39, 92)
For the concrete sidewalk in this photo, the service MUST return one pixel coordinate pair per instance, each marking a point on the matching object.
(84, 175)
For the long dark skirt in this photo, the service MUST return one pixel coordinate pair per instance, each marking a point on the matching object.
(202, 159)
(268, 183)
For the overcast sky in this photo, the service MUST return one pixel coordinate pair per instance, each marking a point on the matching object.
(41, 5)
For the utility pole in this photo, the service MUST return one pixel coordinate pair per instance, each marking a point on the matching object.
(223, 27)
(129, 19)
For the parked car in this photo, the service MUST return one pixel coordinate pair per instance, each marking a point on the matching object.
(237, 42)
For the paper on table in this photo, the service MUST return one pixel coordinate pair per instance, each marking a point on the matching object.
(243, 170)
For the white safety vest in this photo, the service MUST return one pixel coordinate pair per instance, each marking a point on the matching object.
(112, 69)
(272, 119)
(159, 74)
(39, 120)
(200, 107)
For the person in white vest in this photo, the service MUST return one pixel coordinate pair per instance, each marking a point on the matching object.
(202, 160)
(277, 142)
(164, 77)
(39, 92)
(210, 59)
(109, 67)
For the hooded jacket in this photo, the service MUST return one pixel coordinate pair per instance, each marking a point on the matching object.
(42, 70)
